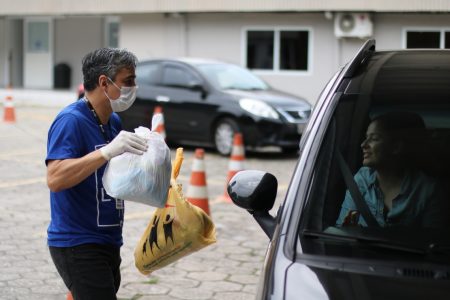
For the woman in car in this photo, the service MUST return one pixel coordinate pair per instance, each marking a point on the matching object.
(396, 192)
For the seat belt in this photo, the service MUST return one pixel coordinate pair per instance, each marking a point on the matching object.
(360, 203)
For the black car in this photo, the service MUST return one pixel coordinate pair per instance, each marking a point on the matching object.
(204, 102)
(312, 254)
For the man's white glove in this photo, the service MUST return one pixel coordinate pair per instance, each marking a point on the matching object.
(124, 142)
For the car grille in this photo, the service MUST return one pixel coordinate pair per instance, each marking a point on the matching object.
(295, 115)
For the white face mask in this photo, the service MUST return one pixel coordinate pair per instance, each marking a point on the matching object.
(125, 100)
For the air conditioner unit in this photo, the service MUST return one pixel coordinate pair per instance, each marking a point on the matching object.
(356, 25)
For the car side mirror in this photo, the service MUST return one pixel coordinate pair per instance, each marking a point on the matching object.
(197, 86)
(255, 191)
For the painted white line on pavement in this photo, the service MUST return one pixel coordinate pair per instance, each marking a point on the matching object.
(38, 162)
(139, 215)
(39, 117)
(17, 153)
(14, 183)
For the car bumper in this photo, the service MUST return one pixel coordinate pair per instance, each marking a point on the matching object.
(270, 133)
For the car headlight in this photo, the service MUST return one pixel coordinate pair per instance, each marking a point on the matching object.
(258, 108)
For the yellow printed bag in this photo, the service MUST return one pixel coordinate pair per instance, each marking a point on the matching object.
(174, 231)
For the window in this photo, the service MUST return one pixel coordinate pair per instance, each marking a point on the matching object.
(173, 76)
(428, 39)
(38, 36)
(294, 50)
(260, 50)
(277, 50)
(147, 74)
(447, 40)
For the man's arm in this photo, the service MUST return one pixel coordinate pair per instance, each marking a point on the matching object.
(66, 173)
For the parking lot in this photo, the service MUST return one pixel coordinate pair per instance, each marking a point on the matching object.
(228, 269)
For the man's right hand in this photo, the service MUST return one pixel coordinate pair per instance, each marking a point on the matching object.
(124, 142)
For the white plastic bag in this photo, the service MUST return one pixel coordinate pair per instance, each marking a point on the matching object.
(141, 178)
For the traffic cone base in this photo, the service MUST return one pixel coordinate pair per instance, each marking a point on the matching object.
(9, 112)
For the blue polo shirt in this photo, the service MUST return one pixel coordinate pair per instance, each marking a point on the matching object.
(84, 213)
(420, 203)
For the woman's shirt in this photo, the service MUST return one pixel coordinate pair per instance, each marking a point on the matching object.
(420, 203)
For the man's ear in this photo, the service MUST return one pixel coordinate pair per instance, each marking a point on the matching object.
(102, 81)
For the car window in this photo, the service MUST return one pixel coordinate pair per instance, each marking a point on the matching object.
(227, 76)
(392, 130)
(147, 74)
(174, 76)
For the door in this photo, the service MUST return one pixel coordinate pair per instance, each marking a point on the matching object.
(187, 113)
(38, 53)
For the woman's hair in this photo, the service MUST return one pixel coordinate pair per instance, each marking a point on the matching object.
(400, 121)
(406, 128)
(105, 61)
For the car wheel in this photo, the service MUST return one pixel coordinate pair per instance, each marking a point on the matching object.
(223, 135)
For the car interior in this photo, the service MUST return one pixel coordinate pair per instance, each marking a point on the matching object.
(385, 84)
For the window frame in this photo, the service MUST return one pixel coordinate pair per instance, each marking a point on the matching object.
(441, 30)
(185, 69)
(158, 76)
(276, 56)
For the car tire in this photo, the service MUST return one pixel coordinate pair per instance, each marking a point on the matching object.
(223, 135)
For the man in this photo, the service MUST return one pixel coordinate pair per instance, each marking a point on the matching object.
(85, 231)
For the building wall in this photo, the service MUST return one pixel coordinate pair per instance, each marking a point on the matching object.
(11, 52)
(145, 36)
(220, 36)
(75, 37)
(95, 7)
(389, 28)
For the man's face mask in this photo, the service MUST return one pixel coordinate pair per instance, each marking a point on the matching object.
(126, 98)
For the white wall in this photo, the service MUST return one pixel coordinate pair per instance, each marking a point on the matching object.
(150, 36)
(74, 38)
(388, 29)
(219, 36)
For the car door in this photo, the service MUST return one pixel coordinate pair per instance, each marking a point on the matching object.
(187, 113)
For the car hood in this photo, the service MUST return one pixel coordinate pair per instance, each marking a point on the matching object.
(274, 97)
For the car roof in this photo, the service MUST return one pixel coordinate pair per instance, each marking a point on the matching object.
(405, 74)
(187, 60)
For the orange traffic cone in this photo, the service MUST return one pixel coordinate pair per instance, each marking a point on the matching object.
(160, 126)
(69, 296)
(197, 193)
(236, 163)
(9, 112)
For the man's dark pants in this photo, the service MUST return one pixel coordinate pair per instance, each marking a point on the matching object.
(89, 271)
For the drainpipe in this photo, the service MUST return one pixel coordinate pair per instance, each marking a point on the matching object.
(7, 56)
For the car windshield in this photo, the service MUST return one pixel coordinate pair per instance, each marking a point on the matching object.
(381, 179)
(226, 76)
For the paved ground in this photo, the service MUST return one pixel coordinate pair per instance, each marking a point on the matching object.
(228, 269)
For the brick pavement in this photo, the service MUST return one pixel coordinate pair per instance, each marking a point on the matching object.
(228, 269)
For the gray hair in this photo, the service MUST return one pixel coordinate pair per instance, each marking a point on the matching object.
(105, 61)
